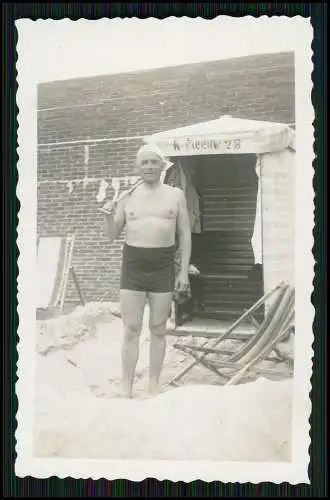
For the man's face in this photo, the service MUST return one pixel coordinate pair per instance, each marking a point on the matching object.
(150, 167)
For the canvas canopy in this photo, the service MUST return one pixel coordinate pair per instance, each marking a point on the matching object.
(273, 143)
(226, 135)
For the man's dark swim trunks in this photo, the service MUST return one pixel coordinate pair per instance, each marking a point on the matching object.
(148, 269)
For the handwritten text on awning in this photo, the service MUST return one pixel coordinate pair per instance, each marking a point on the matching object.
(211, 145)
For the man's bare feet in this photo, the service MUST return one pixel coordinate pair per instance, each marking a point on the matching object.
(153, 388)
(127, 390)
(127, 395)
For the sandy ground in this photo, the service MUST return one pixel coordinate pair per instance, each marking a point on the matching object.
(79, 412)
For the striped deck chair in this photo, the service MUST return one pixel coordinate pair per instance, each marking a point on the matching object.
(244, 363)
(54, 266)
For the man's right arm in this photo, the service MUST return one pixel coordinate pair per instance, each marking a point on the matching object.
(115, 222)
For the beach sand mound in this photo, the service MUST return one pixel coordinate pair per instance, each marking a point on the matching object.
(251, 422)
(79, 412)
(65, 331)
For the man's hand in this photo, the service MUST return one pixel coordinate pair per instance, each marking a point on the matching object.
(182, 282)
(114, 219)
(109, 207)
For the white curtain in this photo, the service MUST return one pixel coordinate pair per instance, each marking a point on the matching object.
(278, 232)
(256, 240)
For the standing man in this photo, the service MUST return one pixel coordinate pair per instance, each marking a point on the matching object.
(155, 216)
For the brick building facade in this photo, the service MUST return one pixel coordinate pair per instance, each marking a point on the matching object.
(90, 128)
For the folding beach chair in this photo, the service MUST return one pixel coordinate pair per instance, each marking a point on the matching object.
(54, 266)
(233, 366)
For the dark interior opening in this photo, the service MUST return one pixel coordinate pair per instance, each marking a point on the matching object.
(229, 281)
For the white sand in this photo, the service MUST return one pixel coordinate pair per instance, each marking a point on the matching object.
(195, 422)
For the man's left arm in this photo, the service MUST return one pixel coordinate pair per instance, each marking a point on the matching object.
(184, 235)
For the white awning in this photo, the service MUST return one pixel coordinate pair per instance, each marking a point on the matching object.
(226, 135)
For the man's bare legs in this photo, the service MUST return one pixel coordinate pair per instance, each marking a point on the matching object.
(132, 311)
(132, 308)
(160, 306)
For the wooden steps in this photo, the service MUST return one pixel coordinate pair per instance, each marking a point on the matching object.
(208, 328)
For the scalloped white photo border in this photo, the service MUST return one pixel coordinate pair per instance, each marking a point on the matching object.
(26, 464)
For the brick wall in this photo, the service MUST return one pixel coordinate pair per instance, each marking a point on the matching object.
(91, 128)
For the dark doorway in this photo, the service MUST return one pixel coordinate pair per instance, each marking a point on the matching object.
(229, 281)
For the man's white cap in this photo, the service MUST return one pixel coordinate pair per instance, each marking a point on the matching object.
(150, 148)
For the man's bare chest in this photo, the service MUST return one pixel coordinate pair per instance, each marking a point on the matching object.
(160, 206)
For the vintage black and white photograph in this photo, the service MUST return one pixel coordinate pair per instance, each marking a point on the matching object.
(165, 236)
